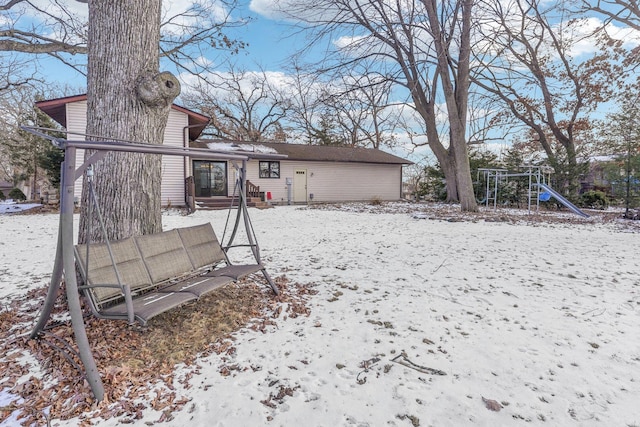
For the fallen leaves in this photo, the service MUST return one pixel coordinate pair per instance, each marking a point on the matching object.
(278, 398)
(492, 405)
(136, 364)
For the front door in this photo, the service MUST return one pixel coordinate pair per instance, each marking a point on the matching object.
(210, 178)
(300, 186)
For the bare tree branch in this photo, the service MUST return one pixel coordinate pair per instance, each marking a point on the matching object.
(10, 4)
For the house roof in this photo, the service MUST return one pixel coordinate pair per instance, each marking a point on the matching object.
(55, 108)
(325, 153)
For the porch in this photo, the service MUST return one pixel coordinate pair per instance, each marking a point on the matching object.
(254, 198)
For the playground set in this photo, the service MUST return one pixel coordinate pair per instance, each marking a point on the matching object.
(539, 189)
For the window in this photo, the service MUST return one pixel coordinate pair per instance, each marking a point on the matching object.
(269, 169)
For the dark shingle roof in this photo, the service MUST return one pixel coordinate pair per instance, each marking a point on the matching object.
(324, 153)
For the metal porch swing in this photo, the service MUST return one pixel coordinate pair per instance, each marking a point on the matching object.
(65, 259)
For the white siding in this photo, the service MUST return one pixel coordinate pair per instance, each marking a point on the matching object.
(334, 181)
(77, 122)
(172, 190)
(173, 167)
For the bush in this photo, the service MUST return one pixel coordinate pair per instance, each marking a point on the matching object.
(594, 200)
(17, 194)
(2, 196)
(375, 201)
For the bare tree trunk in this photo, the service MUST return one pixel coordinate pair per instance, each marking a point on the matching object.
(445, 157)
(128, 99)
(455, 86)
(449, 169)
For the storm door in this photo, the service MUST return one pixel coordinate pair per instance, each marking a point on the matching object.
(210, 178)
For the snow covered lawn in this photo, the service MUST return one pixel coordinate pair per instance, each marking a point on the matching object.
(448, 320)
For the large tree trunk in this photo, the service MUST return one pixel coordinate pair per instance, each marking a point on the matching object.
(455, 86)
(445, 157)
(127, 99)
(425, 106)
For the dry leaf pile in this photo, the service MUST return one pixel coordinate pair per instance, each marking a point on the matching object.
(137, 365)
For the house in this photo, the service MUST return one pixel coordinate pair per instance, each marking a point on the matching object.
(183, 126)
(284, 173)
(308, 173)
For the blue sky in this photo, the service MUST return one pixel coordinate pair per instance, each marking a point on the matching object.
(269, 46)
(267, 43)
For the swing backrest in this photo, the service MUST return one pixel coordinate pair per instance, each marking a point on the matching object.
(164, 255)
(100, 271)
(202, 246)
(146, 262)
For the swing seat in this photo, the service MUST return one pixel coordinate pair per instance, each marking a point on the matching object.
(206, 254)
(159, 271)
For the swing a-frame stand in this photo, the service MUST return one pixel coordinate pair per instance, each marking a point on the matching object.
(65, 260)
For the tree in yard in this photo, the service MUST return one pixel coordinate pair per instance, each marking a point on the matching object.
(305, 91)
(24, 154)
(622, 141)
(50, 162)
(243, 105)
(361, 107)
(626, 12)
(312, 117)
(326, 132)
(128, 98)
(421, 48)
(12, 72)
(529, 66)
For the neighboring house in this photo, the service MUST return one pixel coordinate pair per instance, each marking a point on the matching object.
(303, 173)
(309, 173)
(608, 174)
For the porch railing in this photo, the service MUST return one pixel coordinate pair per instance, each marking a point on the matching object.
(252, 190)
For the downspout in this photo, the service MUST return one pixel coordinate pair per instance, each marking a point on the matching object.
(402, 182)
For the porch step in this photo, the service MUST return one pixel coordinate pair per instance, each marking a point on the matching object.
(217, 203)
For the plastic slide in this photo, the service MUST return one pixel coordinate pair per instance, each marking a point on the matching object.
(562, 200)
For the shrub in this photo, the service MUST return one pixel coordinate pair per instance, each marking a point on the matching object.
(594, 200)
(17, 194)
(375, 201)
(2, 196)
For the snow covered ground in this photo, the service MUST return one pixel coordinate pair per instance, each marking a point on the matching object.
(9, 206)
(538, 319)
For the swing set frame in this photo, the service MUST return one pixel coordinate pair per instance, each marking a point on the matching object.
(65, 262)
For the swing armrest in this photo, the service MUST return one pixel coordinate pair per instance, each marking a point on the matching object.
(125, 288)
(105, 285)
(126, 293)
(129, 301)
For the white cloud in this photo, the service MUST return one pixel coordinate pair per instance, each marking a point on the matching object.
(181, 17)
(267, 8)
(72, 7)
(585, 42)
